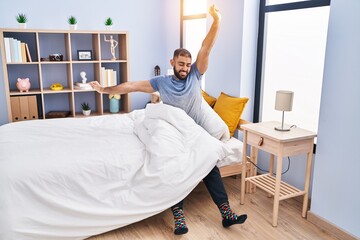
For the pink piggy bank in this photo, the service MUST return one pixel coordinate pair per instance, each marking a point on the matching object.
(23, 84)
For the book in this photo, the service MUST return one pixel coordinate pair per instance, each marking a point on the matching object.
(23, 52)
(82, 86)
(28, 53)
(16, 50)
(19, 57)
(12, 50)
(108, 77)
(114, 80)
(103, 77)
(7, 49)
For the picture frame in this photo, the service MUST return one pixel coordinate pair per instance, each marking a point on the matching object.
(84, 55)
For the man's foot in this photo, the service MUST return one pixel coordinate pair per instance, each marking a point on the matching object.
(180, 225)
(229, 217)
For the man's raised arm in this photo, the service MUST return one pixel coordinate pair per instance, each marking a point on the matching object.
(202, 59)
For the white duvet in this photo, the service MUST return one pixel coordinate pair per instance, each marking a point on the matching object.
(73, 178)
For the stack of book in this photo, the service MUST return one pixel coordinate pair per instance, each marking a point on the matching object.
(16, 51)
(82, 86)
(108, 77)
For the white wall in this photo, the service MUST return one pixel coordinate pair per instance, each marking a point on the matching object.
(143, 19)
(336, 192)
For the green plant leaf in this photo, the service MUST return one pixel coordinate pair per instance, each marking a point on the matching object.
(108, 22)
(21, 18)
(72, 20)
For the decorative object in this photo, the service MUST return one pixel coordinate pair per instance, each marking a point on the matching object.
(22, 20)
(23, 84)
(84, 55)
(83, 77)
(157, 70)
(108, 23)
(86, 110)
(83, 85)
(56, 87)
(56, 57)
(283, 102)
(57, 114)
(72, 23)
(114, 102)
(113, 45)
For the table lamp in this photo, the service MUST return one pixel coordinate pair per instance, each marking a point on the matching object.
(283, 102)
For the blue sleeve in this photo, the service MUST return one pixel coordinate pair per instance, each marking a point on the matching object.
(195, 71)
(155, 83)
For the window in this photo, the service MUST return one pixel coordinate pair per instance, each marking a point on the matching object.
(292, 55)
(193, 27)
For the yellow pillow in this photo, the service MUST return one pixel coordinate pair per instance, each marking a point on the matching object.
(230, 109)
(209, 99)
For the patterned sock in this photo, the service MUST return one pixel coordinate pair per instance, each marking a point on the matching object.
(229, 217)
(180, 225)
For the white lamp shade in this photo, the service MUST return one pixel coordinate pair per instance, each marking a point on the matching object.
(284, 100)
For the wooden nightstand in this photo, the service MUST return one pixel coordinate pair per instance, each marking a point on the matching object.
(297, 141)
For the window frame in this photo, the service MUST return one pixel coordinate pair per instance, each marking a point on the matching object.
(187, 17)
(263, 10)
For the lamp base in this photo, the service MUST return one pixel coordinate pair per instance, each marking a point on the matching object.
(281, 129)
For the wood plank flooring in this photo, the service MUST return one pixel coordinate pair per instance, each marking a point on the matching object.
(204, 220)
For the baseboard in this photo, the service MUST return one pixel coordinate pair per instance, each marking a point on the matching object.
(329, 227)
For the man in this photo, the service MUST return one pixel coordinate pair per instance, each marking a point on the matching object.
(183, 90)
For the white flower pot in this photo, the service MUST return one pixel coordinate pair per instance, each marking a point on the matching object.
(108, 27)
(73, 26)
(86, 112)
(22, 25)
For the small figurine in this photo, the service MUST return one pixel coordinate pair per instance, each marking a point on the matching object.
(23, 84)
(83, 77)
(113, 45)
(157, 70)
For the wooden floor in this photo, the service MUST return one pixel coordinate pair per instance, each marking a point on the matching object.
(204, 220)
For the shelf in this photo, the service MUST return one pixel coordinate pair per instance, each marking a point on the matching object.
(42, 74)
(267, 183)
(15, 93)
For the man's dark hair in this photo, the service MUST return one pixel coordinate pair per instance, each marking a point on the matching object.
(182, 52)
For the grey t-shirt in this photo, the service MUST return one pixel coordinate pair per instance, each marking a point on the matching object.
(184, 94)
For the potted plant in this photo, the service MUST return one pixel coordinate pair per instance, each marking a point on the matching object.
(85, 108)
(108, 23)
(72, 22)
(114, 103)
(22, 20)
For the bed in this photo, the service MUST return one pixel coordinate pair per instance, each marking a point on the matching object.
(73, 178)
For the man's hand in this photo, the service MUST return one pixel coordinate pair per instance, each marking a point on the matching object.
(215, 13)
(96, 85)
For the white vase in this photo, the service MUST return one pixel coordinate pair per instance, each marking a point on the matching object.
(73, 26)
(22, 25)
(86, 112)
(108, 27)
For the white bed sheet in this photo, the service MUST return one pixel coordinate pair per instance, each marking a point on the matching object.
(74, 178)
(236, 148)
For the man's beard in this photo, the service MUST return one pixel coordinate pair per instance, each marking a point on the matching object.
(177, 74)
